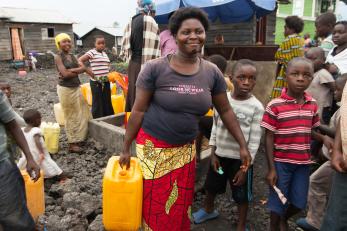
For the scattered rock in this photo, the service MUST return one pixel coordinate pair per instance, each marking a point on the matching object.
(58, 190)
(49, 200)
(53, 223)
(84, 202)
(97, 224)
(72, 221)
(98, 146)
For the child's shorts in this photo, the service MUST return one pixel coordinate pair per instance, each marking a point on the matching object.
(293, 181)
(216, 183)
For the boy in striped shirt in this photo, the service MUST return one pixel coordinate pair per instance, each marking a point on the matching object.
(99, 84)
(225, 152)
(289, 122)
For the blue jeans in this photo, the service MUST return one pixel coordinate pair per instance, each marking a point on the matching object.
(293, 181)
(14, 214)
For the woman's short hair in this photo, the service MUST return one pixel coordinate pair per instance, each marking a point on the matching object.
(187, 13)
(344, 23)
(295, 23)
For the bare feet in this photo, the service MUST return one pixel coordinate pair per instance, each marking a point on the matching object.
(75, 148)
(64, 175)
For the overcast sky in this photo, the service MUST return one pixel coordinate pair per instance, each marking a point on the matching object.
(94, 12)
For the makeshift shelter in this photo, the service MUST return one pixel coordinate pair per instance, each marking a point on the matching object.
(28, 30)
(113, 37)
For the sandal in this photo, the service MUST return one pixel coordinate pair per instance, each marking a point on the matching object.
(202, 216)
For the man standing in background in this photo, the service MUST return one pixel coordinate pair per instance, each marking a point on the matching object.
(140, 44)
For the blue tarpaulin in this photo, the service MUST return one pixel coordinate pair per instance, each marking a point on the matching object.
(227, 11)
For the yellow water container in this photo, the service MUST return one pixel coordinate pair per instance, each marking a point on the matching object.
(87, 93)
(59, 115)
(51, 132)
(230, 85)
(126, 118)
(35, 195)
(127, 115)
(113, 89)
(118, 103)
(122, 196)
(209, 113)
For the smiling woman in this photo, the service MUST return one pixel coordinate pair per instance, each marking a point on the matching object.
(75, 109)
(172, 94)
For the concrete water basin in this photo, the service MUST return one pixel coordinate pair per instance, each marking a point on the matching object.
(110, 132)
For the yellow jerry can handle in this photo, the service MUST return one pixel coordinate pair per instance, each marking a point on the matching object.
(209, 113)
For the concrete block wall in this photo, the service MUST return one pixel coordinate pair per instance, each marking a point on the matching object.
(110, 133)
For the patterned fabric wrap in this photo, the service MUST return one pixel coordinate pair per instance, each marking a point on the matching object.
(151, 40)
(291, 47)
(76, 113)
(168, 187)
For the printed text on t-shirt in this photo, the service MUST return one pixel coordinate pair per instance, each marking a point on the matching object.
(187, 89)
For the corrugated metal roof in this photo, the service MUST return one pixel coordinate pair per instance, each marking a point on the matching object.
(83, 29)
(33, 15)
(117, 32)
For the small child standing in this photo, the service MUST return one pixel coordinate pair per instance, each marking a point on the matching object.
(33, 135)
(206, 122)
(322, 85)
(324, 27)
(288, 122)
(99, 83)
(225, 157)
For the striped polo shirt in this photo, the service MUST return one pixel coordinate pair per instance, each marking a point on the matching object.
(99, 62)
(292, 124)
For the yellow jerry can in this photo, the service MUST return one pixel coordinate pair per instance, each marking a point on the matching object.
(122, 196)
(118, 103)
(35, 195)
(113, 88)
(209, 113)
(51, 132)
(87, 93)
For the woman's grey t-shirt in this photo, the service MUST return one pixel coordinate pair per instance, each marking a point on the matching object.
(179, 101)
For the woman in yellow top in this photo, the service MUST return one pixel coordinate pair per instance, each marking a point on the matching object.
(75, 108)
(291, 47)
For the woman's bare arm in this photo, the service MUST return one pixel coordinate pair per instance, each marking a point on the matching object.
(65, 73)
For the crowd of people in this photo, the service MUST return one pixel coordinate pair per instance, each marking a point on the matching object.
(171, 88)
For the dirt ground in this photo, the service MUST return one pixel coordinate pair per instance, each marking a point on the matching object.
(76, 204)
